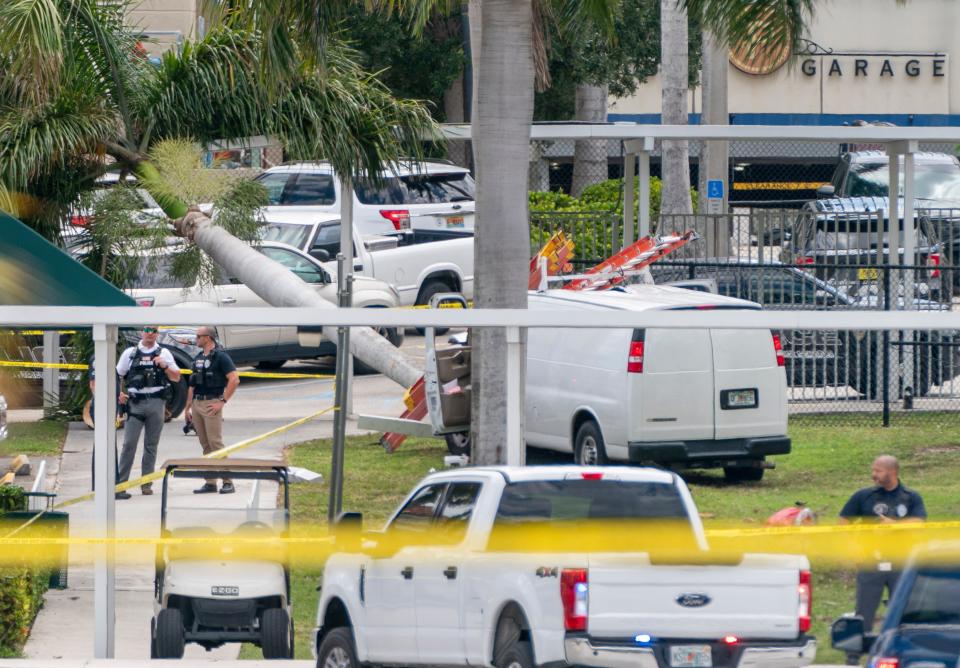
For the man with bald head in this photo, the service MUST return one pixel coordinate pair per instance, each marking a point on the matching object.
(888, 501)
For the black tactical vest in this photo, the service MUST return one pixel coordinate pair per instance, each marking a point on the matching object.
(207, 377)
(144, 372)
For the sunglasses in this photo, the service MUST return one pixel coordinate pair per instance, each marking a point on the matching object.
(149, 330)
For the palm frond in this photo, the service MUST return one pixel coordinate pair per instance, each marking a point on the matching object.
(771, 25)
(31, 43)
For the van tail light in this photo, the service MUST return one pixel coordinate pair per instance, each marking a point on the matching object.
(887, 662)
(574, 594)
(145, 301)
(80, 221)
(933, 261)
(399, 217)
(805, 259)
(804, 601)
(635, 356)
(778, 349)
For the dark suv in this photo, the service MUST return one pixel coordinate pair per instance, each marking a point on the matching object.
(820, 357)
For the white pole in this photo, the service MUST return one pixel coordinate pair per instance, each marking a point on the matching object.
(629, 191)
(104, 503)
(51, 375)
(643, 202)
(909, 258)
(346, 247)
(516, 452)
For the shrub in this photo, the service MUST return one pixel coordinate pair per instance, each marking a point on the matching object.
(21, 587)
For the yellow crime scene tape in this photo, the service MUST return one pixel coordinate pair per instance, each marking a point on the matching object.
(156, 475)
(84, 367)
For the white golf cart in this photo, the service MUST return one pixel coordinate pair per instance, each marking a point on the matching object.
(220, 591)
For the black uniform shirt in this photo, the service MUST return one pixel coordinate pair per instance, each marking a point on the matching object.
(218, 364)
(876, 502)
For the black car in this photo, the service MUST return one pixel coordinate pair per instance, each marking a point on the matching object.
(820, 357)
(922, 623)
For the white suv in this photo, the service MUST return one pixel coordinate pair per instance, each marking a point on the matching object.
(435, 198)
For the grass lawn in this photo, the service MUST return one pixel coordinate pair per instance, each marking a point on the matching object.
(34, 438)
(828, 463)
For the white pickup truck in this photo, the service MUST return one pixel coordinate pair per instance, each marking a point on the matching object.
(416, 271)
(459, 591)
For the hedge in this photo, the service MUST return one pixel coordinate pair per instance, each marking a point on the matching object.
(21, 587)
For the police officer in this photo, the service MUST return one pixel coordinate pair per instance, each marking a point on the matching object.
(213, 381)
(887, 502)
(146, 371)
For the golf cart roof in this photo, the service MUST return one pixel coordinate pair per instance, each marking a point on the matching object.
(200, 463)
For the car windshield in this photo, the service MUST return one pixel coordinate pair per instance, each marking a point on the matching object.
(252, 508)
(418, 189)
(934, 180)
(582, 502)
(934, 598)
(287, 233)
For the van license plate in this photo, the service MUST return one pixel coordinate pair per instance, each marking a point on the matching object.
(690, 656)
(746, 398)
(455, 221)
(871, 274)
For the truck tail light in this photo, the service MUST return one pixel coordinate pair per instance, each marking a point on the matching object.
(887, 662)
(574, 593)
(778, 349)
(80, 221)
(145, 301)
(804, 601)
(933, 261)
(805, 259)
(399, 217)
(635, 356)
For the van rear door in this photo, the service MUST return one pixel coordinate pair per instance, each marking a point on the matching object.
(750, 394)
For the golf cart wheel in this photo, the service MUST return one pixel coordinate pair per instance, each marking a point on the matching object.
(337, 650)
(276, 634)
(458, 443)
(169, 642)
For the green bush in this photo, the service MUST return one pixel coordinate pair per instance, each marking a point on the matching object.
(21, 587)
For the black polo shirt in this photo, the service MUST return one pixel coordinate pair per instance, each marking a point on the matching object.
(875, 502)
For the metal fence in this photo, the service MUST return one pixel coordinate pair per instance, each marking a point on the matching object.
(816, 261)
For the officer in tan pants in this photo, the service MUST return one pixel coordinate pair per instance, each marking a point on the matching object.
(212, 383)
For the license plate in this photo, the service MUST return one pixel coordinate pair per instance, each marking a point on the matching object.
(690, 656)
(224, 591)
(741, 398)
(871, 274)
(455, 221)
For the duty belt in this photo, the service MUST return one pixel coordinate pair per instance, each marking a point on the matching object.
(208, 396)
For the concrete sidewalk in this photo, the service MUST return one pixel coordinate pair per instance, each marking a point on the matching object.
(64, 628)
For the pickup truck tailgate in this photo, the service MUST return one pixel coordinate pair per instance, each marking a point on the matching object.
(754, 599)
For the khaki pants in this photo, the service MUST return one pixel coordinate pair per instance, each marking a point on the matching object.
(209, 428)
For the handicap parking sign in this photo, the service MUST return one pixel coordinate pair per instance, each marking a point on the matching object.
(714, 189)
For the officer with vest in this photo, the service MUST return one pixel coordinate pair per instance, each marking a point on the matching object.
(146, 371)
(213, 380)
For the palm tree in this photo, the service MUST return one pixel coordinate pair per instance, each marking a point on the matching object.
(74, 91)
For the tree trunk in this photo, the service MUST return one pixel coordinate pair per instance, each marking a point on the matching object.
(675, 155)
(589, 155)
(504, 112)
(277, 286)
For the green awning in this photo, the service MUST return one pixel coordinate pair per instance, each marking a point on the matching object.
(34, 272)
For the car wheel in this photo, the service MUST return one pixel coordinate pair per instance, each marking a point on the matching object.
(153, 638)
(337, 650)
(865, 376)
(517, 655)
(458, 443)
(588, 447)
(270, 365)
(169, 641)
(743, 473)
(427, 292)
(177, 400)
(276, 634)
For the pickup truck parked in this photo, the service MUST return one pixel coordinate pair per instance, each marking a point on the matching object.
(459, 592)
(416, 271)
(922, 623)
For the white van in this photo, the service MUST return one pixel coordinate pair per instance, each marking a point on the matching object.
(684, 398)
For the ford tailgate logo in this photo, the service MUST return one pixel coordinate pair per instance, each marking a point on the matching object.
(693, 600)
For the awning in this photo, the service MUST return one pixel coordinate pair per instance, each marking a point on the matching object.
(34, 272)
